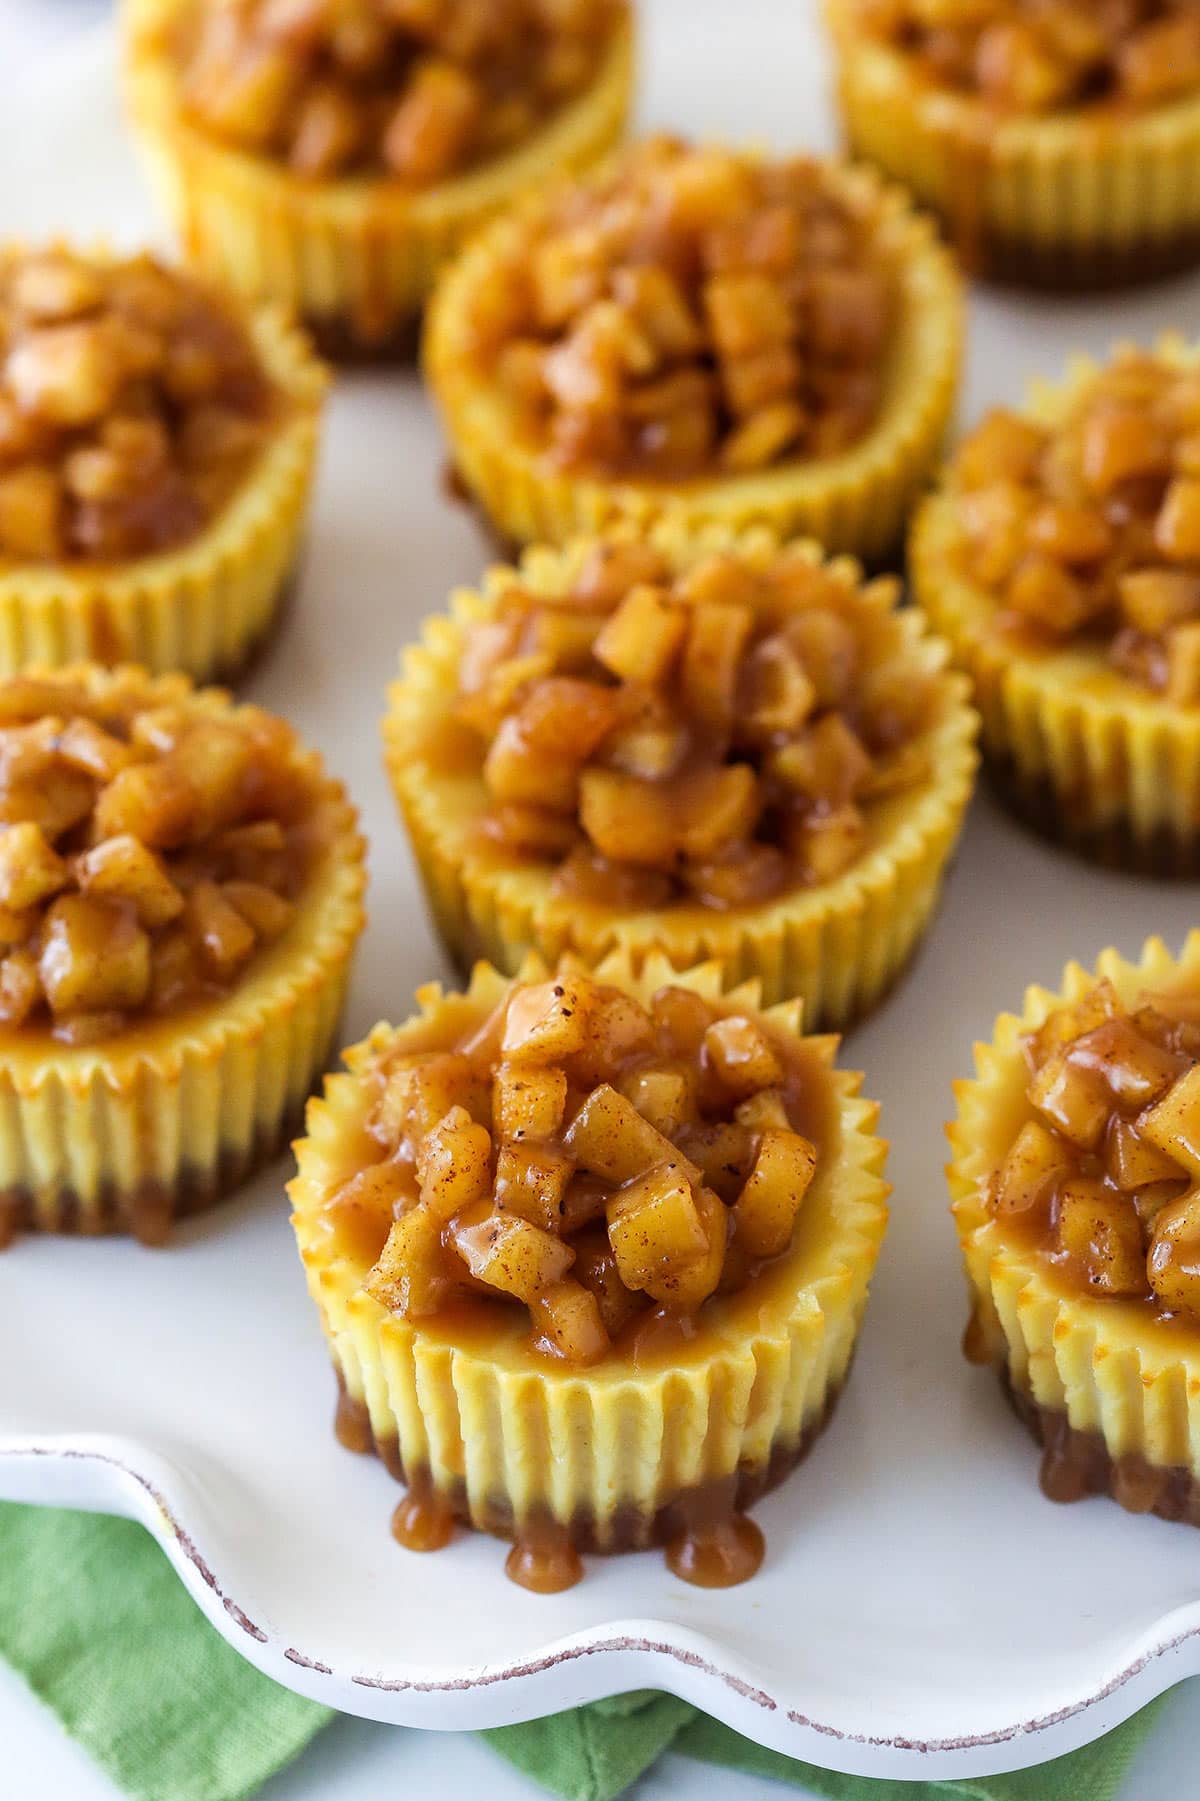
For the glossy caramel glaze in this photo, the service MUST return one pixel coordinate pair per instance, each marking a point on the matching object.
(423, 1521)
(720, 1555)
(545, 1564)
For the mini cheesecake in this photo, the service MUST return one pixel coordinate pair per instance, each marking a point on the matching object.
(157, 444)
(590, 1253)
(1058, 141)
(1061, 559)
(334, 158)
(703, 331)
(703, 743)
(1074, 1177)
(180, 894)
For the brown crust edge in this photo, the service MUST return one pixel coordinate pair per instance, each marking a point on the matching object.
(147, 1211)
(1006, 262)
(1052, 816)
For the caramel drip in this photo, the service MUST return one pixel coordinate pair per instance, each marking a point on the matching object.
(1061, 1477)
(545, 1563)
(719, 1555)
(1136, 1484)
(974, 1340)
(1074, 1464)
(352, 1424)
(422, 1522)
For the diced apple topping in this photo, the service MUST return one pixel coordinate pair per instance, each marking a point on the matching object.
(592, 1176)
(1036, 1161)
(1175, 1255)
(1099, 1231)
(691, 310)
(513, 1256)
(1091, 527)
(1024, 56)
(609, 1138)
(716, 735)
(132, 405)
(454, 1165)
(418, 90)
(410, 1277)
(1106, 1176)
(568, 1315)
(529, 1103)
(654, 1226)
(147, 850)
(765, 1211)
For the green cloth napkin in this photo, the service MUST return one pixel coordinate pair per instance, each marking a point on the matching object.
(96, 1621)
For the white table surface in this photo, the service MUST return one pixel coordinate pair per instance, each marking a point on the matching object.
(356, 1760)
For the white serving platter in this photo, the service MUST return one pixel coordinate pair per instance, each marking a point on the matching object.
(922, 1612)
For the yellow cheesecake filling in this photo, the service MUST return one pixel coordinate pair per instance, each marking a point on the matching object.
(415, 90)
(1087, 530)
(716, 735)
(602, 1165)
(133, 404)
(1043, 57)
(153, 840)
(1102, 1175)
(692, 311)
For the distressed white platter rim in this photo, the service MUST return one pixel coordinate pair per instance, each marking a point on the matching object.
(923, 1612)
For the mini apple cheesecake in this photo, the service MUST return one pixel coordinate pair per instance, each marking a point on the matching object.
(704, 330)
(1057, 138)
(1074, 1175)
(700, 742)
(180, 894)
(157, 445)
(333, 154)
(591, 1253)
(1062, 561)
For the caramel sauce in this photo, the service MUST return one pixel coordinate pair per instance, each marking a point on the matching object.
(352, 1424)
(1062, 1477)
(658, 1337)
(717, 1556)
(361, 1231)
(974, 1340)
(544, 1567)
(423, 1522)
